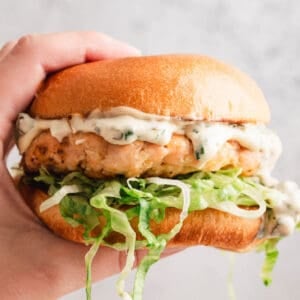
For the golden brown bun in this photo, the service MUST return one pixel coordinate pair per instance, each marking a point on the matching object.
(208, 227)
(186, 86)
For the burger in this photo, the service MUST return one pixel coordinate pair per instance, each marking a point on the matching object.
(155, 152)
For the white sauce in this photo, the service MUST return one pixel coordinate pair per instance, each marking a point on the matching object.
(208, 139)
(124, 126)
(28, 128)
(117, 127)
(122, 130)
(285, 214)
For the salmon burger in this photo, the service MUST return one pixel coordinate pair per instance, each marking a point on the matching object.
(155, 152)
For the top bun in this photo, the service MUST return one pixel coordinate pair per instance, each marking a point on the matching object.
(185, 86)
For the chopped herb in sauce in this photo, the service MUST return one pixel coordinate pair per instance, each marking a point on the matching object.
(159, 134)
(199, 152)
(127, 134)
(195, 130)
(97, 129)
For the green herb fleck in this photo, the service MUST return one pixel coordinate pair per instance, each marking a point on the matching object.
(127, 134)
(199, 152)
(97, 129)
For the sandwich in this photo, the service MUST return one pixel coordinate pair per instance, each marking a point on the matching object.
(155, 152)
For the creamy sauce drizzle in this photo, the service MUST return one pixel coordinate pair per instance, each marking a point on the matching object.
(285, 215)
(124, 125)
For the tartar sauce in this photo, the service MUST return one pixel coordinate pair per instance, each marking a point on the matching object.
(285, 214)
(123, 126)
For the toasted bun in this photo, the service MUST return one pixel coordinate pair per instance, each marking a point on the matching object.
(208, 227)
(186, 86)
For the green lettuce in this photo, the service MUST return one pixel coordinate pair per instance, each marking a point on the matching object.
(271, 256)
(77, 211)
(83, 200)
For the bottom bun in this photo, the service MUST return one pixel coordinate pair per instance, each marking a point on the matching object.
(207, 227)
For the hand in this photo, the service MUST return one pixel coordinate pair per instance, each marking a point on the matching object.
(34, 263)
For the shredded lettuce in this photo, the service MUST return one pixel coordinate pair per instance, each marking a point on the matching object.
(156, 245)
(119, 223)
(45, 177)
(84, 201)
(230, 285)
(76, 210)
(271, 256)
(91, 254)
(59, 195)
(226, 190)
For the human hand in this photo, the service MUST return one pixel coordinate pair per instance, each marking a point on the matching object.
(36, 264)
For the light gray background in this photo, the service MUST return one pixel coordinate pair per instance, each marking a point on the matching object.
(260, 37)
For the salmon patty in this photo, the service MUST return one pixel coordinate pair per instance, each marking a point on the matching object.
(95, 157)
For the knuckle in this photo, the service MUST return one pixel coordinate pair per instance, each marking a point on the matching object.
(27, 41)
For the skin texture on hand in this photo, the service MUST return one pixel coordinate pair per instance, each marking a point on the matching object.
(25, 63)
(34, 263)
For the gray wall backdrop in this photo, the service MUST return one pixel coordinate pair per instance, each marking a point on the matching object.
(260, 37)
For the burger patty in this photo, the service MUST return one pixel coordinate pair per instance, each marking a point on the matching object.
(95, 157)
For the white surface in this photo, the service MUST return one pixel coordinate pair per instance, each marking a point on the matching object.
(260, 37)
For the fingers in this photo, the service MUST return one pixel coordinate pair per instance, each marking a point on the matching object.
(116, 260)
(6, 49)
(25, 63)
(33, 56)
